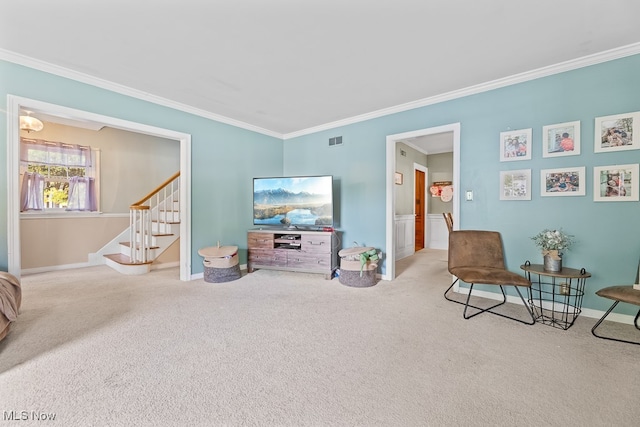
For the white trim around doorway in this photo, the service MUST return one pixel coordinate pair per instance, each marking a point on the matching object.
(390, 237)
(15, 103)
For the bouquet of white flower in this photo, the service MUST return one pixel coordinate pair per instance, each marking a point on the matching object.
(553, 240)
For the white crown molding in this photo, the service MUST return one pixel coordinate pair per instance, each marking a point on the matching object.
(573, 64)
(562, 67)
(37, 64)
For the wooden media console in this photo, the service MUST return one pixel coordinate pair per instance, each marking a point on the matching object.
(293, 250)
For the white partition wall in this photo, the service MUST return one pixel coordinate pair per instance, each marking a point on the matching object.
(405, 236)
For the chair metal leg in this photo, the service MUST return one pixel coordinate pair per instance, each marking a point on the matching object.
(528, 307)
(447, 291)
(466, 304)
(635, 323)
(482, 310)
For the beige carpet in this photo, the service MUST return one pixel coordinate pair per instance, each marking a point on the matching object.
(96, 348)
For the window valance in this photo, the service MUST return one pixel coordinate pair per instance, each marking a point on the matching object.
(39, 151)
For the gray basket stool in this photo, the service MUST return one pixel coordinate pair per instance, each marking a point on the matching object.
(220, 263)
(351, 268)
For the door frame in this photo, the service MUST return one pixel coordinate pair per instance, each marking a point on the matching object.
(422, 168)
(15, 103)
(390, 264)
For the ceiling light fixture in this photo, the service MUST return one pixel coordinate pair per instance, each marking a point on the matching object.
(30, 124)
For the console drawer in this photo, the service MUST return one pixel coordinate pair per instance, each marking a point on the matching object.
(267, 257)
(316, 243)
(309, 262)
(260, 240)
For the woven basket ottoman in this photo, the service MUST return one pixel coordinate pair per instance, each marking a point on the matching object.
(352, 272)
(220, 264)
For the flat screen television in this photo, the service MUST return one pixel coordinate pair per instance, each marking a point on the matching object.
(294, 201)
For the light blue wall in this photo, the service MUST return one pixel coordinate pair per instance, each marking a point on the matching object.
(607, 233)
(224, 158)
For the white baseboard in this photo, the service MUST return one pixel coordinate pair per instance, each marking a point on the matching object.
(36, 270)
(93, 261)
(586, 312)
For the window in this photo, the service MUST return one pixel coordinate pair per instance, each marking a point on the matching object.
(57, 176)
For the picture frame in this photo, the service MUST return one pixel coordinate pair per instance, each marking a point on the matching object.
(561, 139)
(398, 178)
(616, 183)
(563, 182)
(515, 145)
(515, 184)
(616, 132)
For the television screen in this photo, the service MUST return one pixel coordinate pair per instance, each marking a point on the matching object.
(304, 201)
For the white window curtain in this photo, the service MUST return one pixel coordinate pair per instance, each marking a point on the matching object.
(82, 194)
(31, 192)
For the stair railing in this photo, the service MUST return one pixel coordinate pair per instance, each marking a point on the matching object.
(157, 206)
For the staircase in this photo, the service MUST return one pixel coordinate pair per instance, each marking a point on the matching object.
(154, 224)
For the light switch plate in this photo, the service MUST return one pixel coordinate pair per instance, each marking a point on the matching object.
(469, 195)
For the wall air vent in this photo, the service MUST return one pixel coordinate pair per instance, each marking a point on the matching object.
(336, 140)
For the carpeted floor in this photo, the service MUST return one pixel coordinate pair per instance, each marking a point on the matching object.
(96, 348)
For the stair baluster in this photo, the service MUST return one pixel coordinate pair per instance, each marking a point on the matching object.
(155, 207)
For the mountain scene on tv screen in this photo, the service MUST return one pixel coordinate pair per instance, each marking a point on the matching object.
(280, 206)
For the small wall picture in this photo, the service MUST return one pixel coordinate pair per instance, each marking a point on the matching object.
(617, 183)
(515, 145)
(515, 185)
(563, 182)
(616, 133)
(562, 139)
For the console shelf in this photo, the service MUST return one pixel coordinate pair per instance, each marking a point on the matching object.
(296, 250)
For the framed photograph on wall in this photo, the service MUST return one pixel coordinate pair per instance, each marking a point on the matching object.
(563, 182)
(562, 139)
(616, 133)
(515, 185)
(515, 145)
(616, 183)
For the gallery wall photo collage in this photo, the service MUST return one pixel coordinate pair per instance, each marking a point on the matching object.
(612, 183)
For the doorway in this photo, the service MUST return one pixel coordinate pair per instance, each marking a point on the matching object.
(15, 104)
(390, 236)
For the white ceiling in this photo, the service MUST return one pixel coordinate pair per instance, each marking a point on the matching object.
(286, 66)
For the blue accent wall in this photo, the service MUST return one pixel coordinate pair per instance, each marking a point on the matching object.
(226, 158)
(607, 233)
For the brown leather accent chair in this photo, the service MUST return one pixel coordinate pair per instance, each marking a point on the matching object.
(624, 293)
(476, 257)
